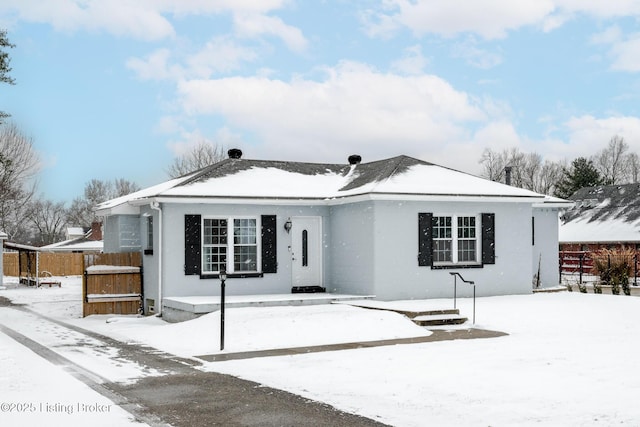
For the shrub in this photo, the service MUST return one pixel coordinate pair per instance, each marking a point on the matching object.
(597, 289)
(614, 268)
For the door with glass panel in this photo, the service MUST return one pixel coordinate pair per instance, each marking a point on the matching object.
(306, 251)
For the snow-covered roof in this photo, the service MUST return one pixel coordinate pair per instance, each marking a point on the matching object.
(605, 213)
(75, 245)
(75, 232)
(262, 179)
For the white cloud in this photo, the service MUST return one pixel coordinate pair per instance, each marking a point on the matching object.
(626, 54)
(588, 134)
(599, 8)
(219, 55)
(149, 19)
(355, 108)
(256, 25)
(623, 49)
(118, 17)
(412, 62)
(155, 66)
(188, 140)
(480, 58)
(489, 19)
(610, 35)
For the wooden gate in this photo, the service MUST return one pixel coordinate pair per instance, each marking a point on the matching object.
(112, 284)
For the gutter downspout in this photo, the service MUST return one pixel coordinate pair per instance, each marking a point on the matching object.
(156, 206)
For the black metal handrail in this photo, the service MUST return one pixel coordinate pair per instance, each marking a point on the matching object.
(455, 275)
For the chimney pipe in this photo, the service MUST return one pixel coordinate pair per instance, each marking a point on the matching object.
(355, 159)
(507, 175)
(234, 153)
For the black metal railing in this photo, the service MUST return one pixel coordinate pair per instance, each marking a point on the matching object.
(457, 275)
(579, 265)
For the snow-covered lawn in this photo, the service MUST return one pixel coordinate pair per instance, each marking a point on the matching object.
(569, 358)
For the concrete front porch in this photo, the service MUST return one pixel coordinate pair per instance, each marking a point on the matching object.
(179, 309)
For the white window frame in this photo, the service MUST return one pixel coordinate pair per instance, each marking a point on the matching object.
(230, 245)
(454, 240)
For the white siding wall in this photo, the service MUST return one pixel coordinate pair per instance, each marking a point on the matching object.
(352, 248)
(121, 234)
(396, 271)
(176, 283)
(545, 250)
(369, 248)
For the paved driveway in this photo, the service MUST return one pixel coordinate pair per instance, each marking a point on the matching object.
(184, 395)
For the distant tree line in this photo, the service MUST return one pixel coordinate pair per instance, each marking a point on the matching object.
(614, 164)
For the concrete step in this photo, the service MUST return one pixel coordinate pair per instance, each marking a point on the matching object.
(439, 319)
(441, 312)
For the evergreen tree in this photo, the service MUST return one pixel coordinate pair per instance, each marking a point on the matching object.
(582, 173)
(4, 65)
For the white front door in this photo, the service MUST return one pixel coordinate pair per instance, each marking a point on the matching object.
(306, 250)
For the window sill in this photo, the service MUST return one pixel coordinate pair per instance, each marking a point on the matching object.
(232, 275)
(452, 266)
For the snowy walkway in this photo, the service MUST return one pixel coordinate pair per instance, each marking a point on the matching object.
(117, 389)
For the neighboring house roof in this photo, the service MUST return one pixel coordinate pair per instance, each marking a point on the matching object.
(75, 232)
(400, 176)
(82, 244)
(605, 213)
(85, 243)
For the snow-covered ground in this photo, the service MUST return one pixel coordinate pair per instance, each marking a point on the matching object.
(569, 358)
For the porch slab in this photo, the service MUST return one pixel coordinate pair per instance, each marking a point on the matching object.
(179, 309)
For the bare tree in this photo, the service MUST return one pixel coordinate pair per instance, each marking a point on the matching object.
(19, 164)
(203, 154)
(633, 167)
(527, 169)
(48, 220)
(612, 161)
(95, 192)
(122, 187)
(549, 176)
(493, 164)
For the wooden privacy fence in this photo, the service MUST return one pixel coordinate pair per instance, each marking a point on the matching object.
(58, 264)
(112, 284)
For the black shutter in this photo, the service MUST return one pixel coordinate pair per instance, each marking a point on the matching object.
(425, 237)
(192, 244)
(269, 247)
(488, 238)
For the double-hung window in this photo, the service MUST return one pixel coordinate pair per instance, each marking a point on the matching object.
(455, 239)
(230, 244)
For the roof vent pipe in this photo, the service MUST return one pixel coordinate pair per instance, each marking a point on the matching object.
(507, 175)
(354, 159)
(234, 153)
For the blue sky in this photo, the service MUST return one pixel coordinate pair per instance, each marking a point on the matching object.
(116, 89)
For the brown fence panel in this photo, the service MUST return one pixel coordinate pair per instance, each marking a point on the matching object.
(10, 264)
(58, 264)
(61, 264)
(133, 259)
(113, 289)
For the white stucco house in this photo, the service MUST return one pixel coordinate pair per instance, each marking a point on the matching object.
(392, 228)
